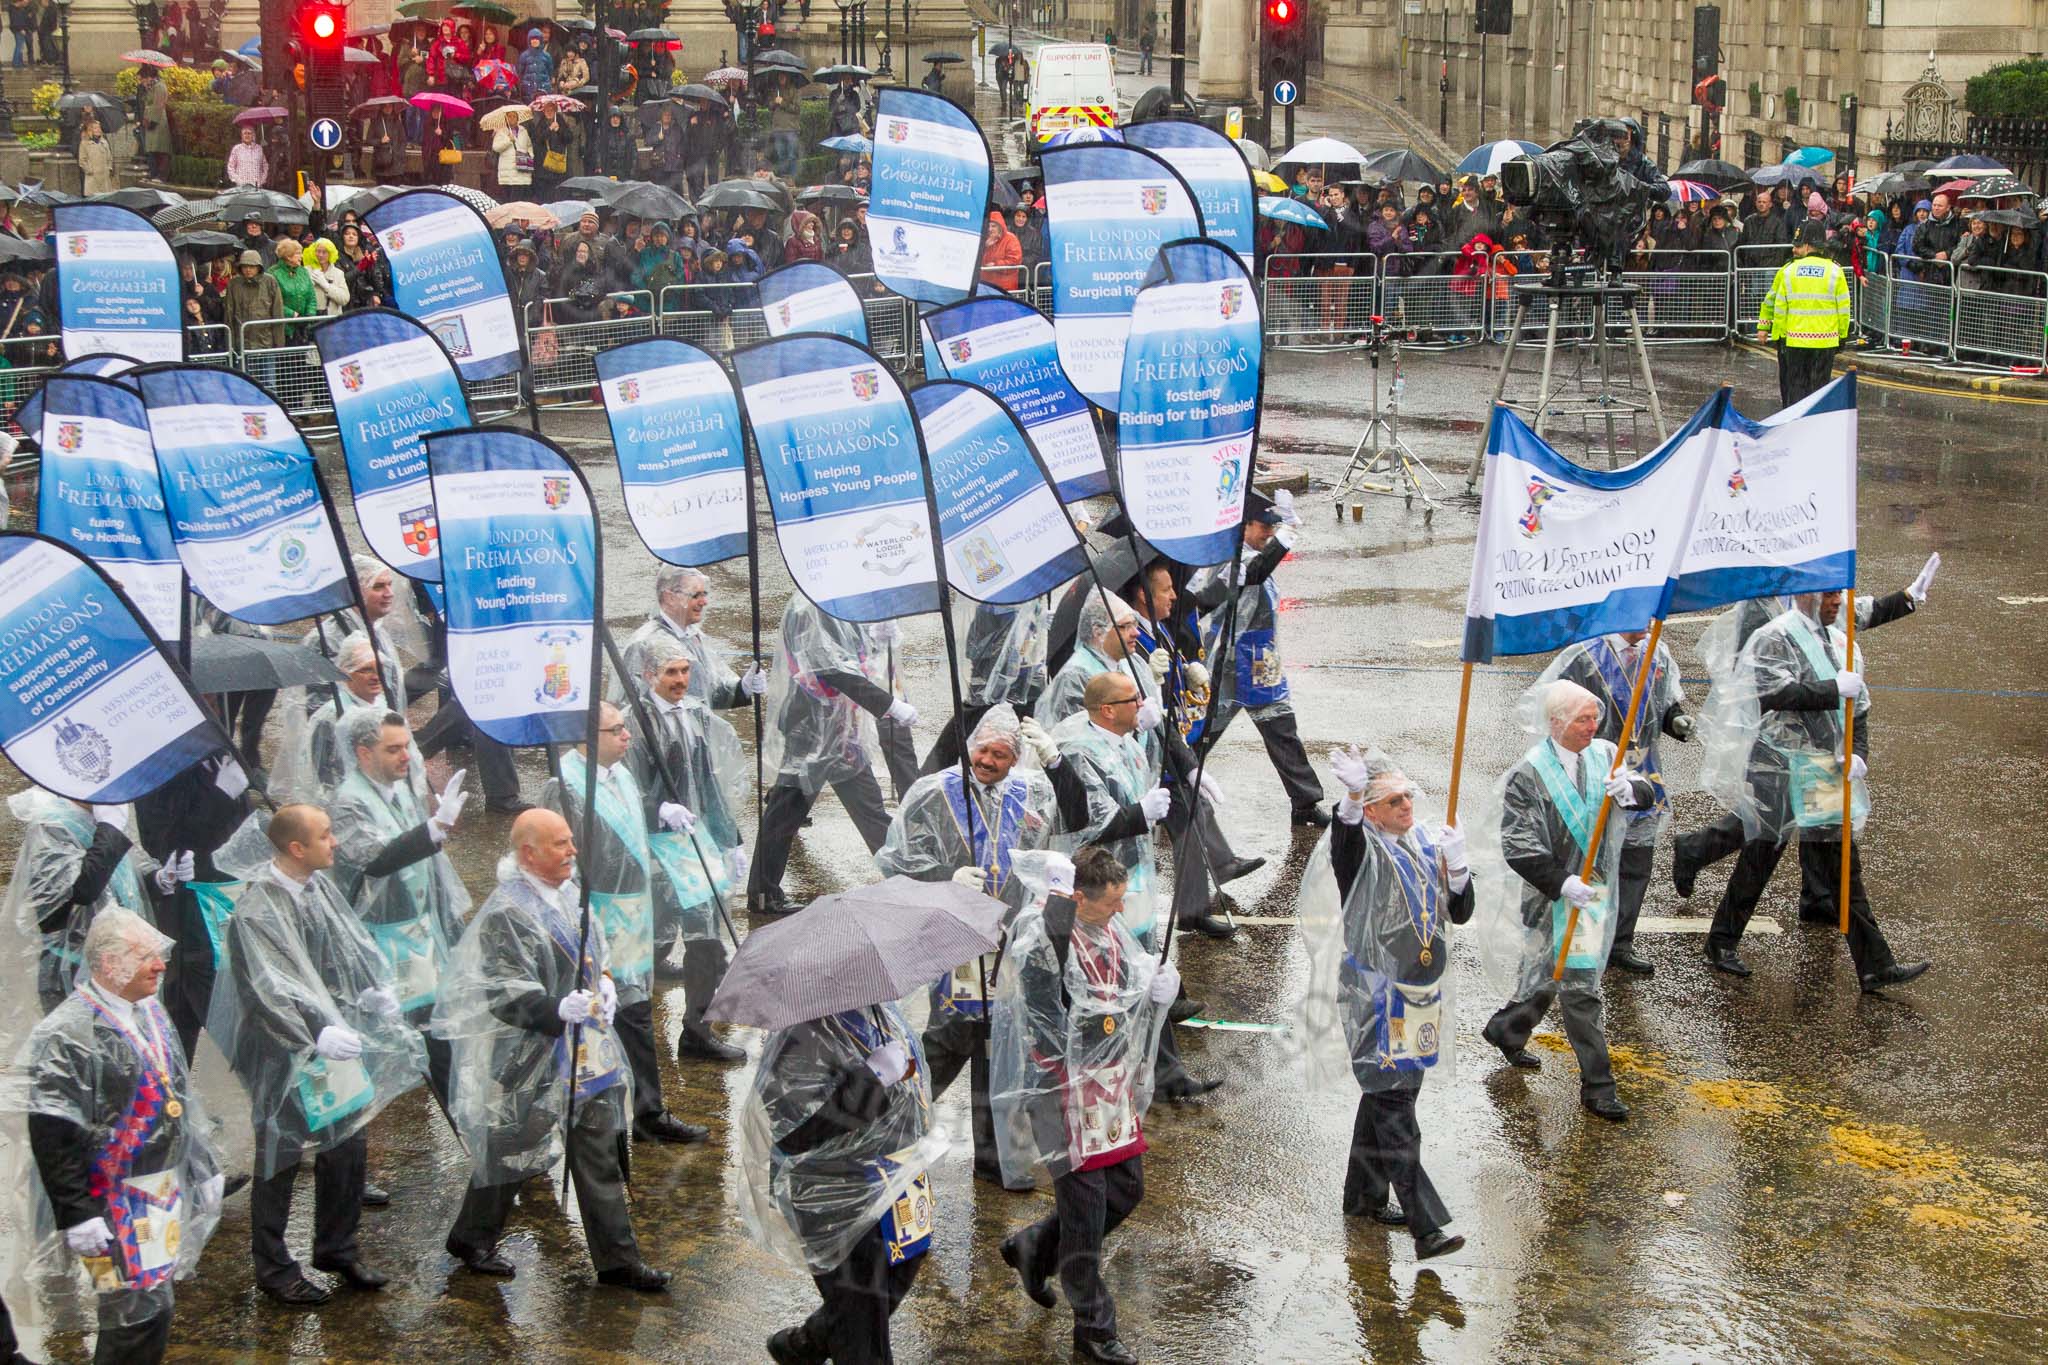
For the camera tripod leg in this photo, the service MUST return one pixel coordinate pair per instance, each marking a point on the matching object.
(1549, 359)
(1500, 387)
(1635, 330)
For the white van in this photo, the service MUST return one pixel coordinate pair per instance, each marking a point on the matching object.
(1073, 85)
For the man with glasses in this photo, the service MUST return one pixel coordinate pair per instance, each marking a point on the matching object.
(680, 598)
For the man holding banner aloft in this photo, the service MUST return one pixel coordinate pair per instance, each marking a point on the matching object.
(681, 595)
(76, 860)
(617, 867)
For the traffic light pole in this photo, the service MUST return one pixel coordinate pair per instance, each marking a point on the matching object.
(1443, 79)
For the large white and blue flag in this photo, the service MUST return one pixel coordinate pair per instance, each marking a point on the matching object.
(1188, 407)
(254, 526)
(1108, 210)
(117, 285)
(99, 494)
(520, 570)
(928, 204)
(392, 384)
(846, 485)
(92, 707)
(1779, 511)
(1006, 537)
(812, 297)
(682, 452)
(1215, 170)
(1566, 553)
(445, 272)
(1007, 347)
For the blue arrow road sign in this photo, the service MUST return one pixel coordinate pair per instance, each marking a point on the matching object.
(1285, 92)
(326, 133)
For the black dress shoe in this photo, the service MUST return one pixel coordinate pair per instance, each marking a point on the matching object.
(1183, 1009)
(375, 1196)
(1725, 960)
(794, 1346)
(639, 1276)
(1684, 871)
(482, 1262)
(1210, 926)
(1314, 816)
(1388, 1211)
(1518, 1057)
(666, 1127)
(512, 807)
(1019, 1251)
(234, 1184)
(299, 1293)
(1185, 1088)
(1111, 1352)
(1898, 974)
(355, 1273)
(1605, 1106)
(769, 902)
(1237, 867)
(1629, 960)
(698, 1041)
(1809, 915)
(1437, 1243)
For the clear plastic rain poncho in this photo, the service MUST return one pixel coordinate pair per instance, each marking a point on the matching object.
(400, 635)
(810, 1207)
(712, 679)
(1780, 770)
(614, 860)
(1073, 1041)
(56, 835)
(1004, 648)
(1251, 673)
(815, 735)
(509, 1074)
(1538, 816)
(1600, 667)
(1116, 771)
(1380, 1006)
(699, 752)
(312, 759)
(150, 1170)
(290, 970)
(415, 913)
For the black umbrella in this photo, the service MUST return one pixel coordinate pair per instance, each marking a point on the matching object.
(253, 212)
(1002, 49)
(602, 189)
(640, 199)
(1002, 193)
(830, 194)
(206, 241)
(370, 107)
(740, 195)
(1998, 187)
(26, 251)
(776, 192)
(842, 69)
(776, 56)
(1398, 163)
(650, 35)
(943, 58)
(7, 195)
(34, 195)
(362, 201)
(696, 91)
(112, 113)
(854, 949)
(1920, 167)
(1712, 171)
(141, 198)
(1785, 174)
(579, 25)
(2007, 218)
(242, 663)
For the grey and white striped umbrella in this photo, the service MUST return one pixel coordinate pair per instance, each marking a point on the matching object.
(854, 949)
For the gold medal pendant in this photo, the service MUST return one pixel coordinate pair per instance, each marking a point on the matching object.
(1108, 1025)
(1427, 957)
(174, 1109)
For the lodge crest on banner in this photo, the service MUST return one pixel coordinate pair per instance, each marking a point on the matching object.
(899, 129)
(980, 556)
(1230, 300)
(421, 530)
(1541, 491)
(1737, 485)
(960, 349)
(1152, 198)
(554, 490)
(77, 247)
(255, 425)
(557, 675)
(866, 384)
(889, 543)
(629, 389)
(1228, 472)
(83, 751)
(351, 372)
(785, 312)
(70, 435)
(291, 556)
(394, 240)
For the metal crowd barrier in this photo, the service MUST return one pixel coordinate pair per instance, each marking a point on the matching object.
(1678, 301)
(2004, 319)
(1922, 309)
(563, 355)
(1873, 299)
(1755, 268)
(1309, 303)
(1420, 294)
(1041, 287)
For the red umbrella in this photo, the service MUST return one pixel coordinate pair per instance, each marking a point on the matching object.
(262, 113)
(431, 100)
(492, 74)
(1954, 187)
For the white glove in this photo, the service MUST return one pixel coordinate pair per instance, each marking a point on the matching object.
(676, 818)
(1162, 664)
(117, 816)
(1850, 685)
(1283, 503)
(232, 781)
(1917, 589)
(1348, 810)
(1285, 534)
(607, 1000)
(210, 1192)
(1165, 985)
(453, 799)
(1194, 675)
(90, 1238)
(1155, 804)
(378, 999)
(1621, 787)
(574, 1008)
(1349, 766)
(1682, 727)
(338, 1043)
(736, 865)
(176, 868)
(1039, 742)
(890, 1062)
(1578, 893)
(753, 682)
(1059, 874)
(902, 712)
(1857, 767)
(1450, 842)
(1149, 716)
(1208, 788)
(971, 877)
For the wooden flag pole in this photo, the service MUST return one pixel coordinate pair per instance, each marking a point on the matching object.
(1628, 727)
(1848, 750)
(1458, 746)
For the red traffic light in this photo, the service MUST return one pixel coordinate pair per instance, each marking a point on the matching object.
(1281, 11)
(323, 26)
(767, 30)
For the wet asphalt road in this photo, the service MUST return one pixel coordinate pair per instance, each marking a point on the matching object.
(1809, 1173)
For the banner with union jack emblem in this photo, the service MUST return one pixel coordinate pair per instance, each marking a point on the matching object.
(98, 492)
(841, 458)
(392, 383)
(1565, 553)
(1007, 347)
(1108, 210)
(117, 285)
(810, 297)
(248, 509)
(1215, 170)
(1188, 407)
(445, 272)
(682, 454)
(521, 571)
(929, 201)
